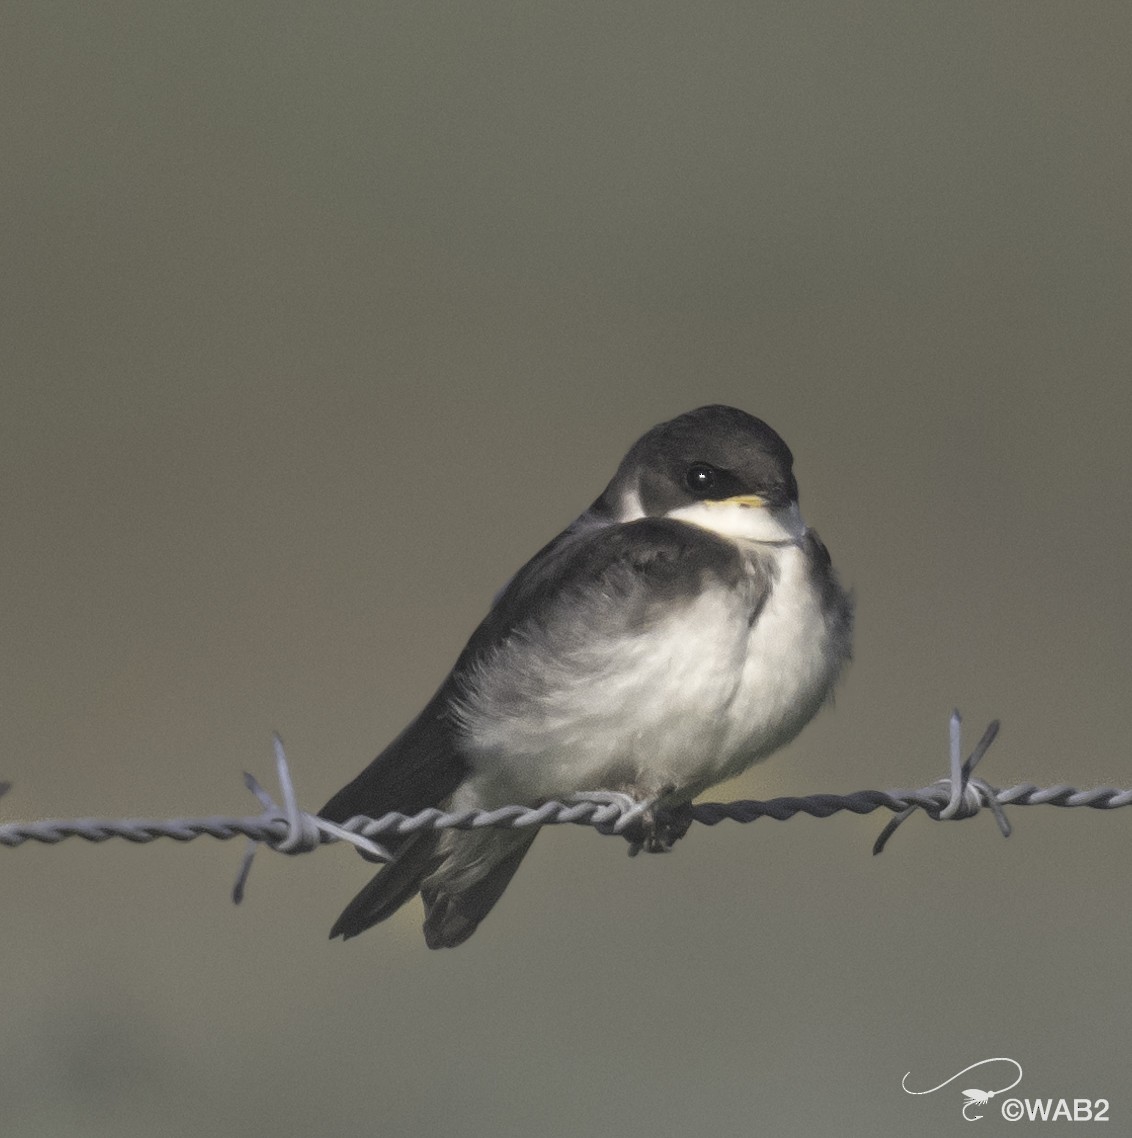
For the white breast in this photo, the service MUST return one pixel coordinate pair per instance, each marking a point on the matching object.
(789, 667)
(688, 702)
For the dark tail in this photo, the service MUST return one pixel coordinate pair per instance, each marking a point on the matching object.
(397, 883)
(450, 917)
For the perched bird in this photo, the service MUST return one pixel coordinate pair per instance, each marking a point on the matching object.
(684, 627)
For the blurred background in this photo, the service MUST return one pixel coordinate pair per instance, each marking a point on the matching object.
(318, 320)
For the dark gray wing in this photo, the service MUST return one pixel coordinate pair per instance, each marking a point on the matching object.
(632, 570)
(622, 574)
(420, 768)
(618, 576)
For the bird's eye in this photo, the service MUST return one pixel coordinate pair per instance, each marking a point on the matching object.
(701, 479)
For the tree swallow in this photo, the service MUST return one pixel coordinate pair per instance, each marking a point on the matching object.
(684, 627)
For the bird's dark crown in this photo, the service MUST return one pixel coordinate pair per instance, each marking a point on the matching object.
(741, 455)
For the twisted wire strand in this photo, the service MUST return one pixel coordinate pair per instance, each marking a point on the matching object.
(272, 828)
(291, 830)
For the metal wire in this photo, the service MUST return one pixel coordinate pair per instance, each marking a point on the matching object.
(288, 829)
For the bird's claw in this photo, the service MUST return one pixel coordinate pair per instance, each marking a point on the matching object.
(658, 828)
(646, 822)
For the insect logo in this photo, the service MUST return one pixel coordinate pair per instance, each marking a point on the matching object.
(972, 1096)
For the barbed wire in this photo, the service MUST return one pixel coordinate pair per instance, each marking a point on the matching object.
(288, 829)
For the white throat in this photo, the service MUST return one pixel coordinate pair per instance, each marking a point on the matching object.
(761, 524)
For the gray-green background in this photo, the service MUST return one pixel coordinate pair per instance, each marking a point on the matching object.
(319, 319)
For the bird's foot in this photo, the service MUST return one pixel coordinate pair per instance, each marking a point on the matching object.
(659, 827)
(647, 823)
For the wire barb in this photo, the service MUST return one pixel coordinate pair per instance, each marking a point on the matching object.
(303, 832)
(966, 795)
